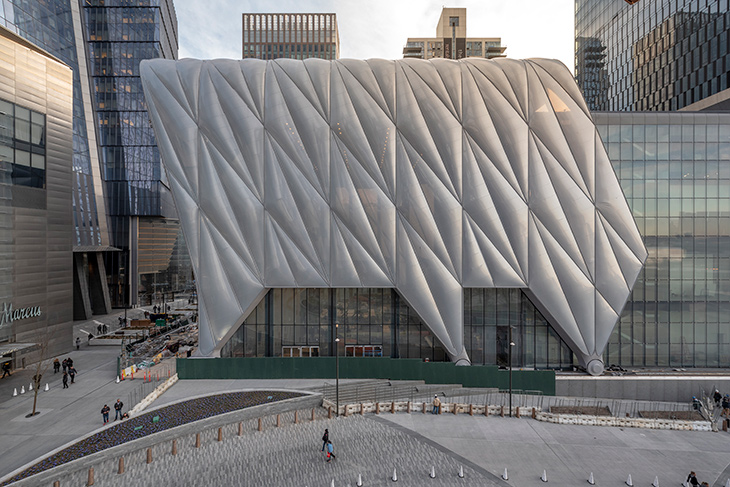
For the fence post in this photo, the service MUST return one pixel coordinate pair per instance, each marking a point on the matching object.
(486, 409)
(296, 417)
(409, 407)
(377, 408)
(471, 410)
(149, 455)
(174, 447)
(362, 409)
(261, 425)
(220, 434)
(240, 428)
(90, 480)
(121, 466)
(392, 407)
(197, 440)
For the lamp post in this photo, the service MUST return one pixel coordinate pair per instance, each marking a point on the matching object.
(511, 344)
(337, 367)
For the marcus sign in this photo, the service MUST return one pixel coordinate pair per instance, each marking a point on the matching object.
(8, 314)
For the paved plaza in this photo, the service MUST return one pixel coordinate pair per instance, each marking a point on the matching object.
(370, 445)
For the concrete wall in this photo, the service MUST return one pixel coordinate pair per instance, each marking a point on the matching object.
(674, 388)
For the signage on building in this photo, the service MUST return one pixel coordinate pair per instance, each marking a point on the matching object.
(8, 314)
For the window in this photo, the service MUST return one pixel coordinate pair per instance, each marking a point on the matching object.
(23, 144)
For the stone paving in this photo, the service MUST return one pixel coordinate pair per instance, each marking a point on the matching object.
(291, 455)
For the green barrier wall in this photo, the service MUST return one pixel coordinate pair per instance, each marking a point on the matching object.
(365, 368)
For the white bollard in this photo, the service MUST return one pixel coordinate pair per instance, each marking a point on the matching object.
(333, 483)
(47, 388)
(590, 479)
(656, 482)
(359, 480)
(30, 387)
(117, 379)
(461, 472)
(395, 476)
(433, 472)
(727, 484)
(629, 482)
(15, 392)
(22, 389)
(504, 475)
(544, 476)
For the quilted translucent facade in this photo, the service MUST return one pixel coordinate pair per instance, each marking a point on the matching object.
(425, 176)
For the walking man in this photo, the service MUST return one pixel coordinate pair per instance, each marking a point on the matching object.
(72, 373)
(105, 413)
(330, 451)
(6, 369)
(118, 409)
(692, 479)
(64, 364)
(65, 380)
(325, 438)
(78, 343)
(436, 404)
(56, 365)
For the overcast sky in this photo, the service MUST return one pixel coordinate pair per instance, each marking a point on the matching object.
(379, 28)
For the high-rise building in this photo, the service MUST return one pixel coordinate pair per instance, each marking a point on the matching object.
(36, 224)
(294, 36)
(117, 177)
(653, 55)
(451, 31)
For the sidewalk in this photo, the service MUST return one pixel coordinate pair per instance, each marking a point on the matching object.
(66, 414)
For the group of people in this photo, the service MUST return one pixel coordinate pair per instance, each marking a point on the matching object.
(723, 402)
(68, 370)
(160, 309)
(117, 412)
(102, 328)
(327, 446)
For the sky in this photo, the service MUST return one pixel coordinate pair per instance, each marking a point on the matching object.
(379, 28)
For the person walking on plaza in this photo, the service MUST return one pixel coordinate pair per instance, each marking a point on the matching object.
(118, 409)
(72, 374)
(325, 438)
(78, 343)
(725, 406)
(330, 451)
(65, 380)
(692, 479)
(6, 369)
(64, 364)
(436, 404)
(105, 413)
(717, 397)
(56, 365)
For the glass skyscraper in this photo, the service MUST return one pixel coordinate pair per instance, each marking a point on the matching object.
(117, 176)
(652, 55)
(675, 171)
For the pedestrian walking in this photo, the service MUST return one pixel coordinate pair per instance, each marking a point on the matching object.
(56, 365)
(6, 369)
(105, 413)
(330, 451)
(436, 404)
(98, 329)
(725, 406)
(78, 343)
(692, 479)
(65, 380)
(69, 362)
(717, 397)
(88, 339)
(118, 409)
(325, 438)
(72, 373)
(104, 328)
(64, 364)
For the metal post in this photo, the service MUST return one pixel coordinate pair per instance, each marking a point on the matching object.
(511, 344)
(337, 367)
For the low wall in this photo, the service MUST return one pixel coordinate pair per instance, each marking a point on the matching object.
(668, 388)
(366, 368)
(139, 445)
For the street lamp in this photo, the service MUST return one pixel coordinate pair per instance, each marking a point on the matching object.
(337, 367)
(511, 344)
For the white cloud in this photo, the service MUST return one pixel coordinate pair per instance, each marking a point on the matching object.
(379, 28)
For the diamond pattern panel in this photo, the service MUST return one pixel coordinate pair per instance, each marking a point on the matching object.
(424, 176)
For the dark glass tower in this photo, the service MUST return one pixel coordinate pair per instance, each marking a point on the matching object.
(653, 55)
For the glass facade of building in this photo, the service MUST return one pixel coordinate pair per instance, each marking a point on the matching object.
(675, 171)
(121, 34)
(23, 144)
(50, 25)
(294, 36)
(653, 55)
(379, 322)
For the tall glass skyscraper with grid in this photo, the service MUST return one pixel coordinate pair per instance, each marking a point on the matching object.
(653, 54)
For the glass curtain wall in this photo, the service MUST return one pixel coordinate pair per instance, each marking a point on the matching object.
(675, 172)
(378, 322)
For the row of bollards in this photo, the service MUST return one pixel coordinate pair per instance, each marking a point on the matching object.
(30, 388)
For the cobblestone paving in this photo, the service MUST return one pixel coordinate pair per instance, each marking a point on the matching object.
(154, 422)
(290, 455)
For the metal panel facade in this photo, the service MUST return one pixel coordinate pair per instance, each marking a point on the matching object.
(425, 176)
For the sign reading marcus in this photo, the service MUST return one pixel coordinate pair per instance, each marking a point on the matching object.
(8, 314)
